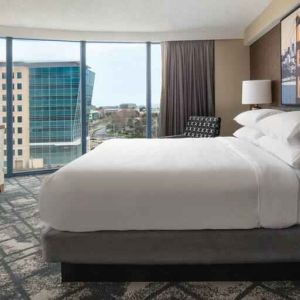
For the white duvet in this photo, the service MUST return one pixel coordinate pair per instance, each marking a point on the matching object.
(171, 184)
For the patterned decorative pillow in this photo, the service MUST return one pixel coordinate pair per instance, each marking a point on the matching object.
(200, 127)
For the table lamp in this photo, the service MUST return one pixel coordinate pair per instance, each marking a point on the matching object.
(256, 92)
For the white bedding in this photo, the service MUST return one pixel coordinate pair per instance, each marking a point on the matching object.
(171, 184)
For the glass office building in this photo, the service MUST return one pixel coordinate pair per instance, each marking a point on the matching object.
(55, 112)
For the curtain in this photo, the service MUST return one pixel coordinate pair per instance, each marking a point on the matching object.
(187, 84)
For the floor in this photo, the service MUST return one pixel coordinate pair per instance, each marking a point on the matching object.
(24, 275)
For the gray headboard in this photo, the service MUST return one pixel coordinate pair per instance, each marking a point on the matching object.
(284, 108)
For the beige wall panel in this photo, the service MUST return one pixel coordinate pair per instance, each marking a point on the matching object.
(232, 66)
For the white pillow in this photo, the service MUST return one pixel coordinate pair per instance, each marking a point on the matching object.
(285, 127)
(248, 134)
(289, 154)
(250, 118)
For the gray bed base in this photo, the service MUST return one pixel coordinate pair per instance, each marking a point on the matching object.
(256, 254)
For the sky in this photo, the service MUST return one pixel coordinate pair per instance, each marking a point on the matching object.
(120, 69)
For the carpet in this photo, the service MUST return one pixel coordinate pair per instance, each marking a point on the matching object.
(24, 275)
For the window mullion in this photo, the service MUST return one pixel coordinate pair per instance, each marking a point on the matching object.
(83, 96)
(9, 107)
(148, 90)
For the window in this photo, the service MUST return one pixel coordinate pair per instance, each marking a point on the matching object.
(118, 107)
(3, 75)
(4, 120)
(4, 108)
(48, 123)
(51, 128)
(20, 152)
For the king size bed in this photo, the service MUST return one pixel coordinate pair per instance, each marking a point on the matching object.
(173, 209)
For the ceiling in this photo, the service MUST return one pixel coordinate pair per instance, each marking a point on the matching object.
(227, 18)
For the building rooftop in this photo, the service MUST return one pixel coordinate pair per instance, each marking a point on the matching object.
(44, 63)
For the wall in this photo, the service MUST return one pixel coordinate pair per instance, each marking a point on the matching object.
(232, 66)
(270, 17)
(265, 61)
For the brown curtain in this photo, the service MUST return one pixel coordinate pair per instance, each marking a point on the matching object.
(187, 84)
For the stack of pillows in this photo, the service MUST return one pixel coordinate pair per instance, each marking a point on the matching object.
(273, 130)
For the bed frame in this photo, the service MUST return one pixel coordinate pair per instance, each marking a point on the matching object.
(161, 273)
(189, 255)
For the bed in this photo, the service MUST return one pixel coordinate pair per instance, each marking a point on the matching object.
(192, 207)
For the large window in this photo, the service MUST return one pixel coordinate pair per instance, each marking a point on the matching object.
(46, 104)
(118, 108)
(41, 101)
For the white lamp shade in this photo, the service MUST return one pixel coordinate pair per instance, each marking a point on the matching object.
(257, 92)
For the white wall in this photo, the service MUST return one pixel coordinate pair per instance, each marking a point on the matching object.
(40, 33)
(270, 17)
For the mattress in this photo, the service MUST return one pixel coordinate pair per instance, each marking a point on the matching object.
(171, 184)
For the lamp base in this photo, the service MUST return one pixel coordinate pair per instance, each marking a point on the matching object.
(254, 106)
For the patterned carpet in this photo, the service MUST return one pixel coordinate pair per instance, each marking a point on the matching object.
(23, 274)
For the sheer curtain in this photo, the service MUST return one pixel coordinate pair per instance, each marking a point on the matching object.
(187, 83)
